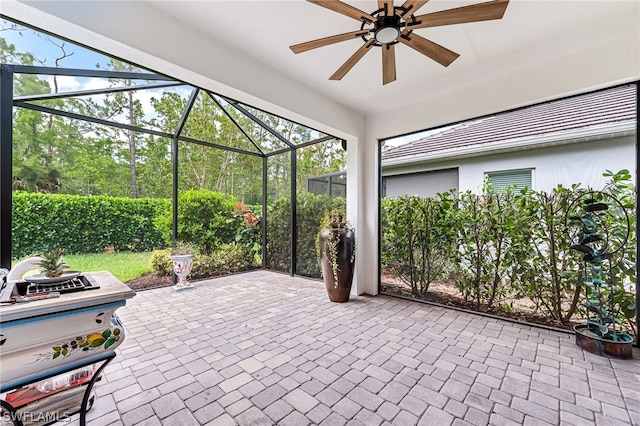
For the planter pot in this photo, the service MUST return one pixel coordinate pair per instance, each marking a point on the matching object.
(182, 265)
(592, 342)
(338, 282)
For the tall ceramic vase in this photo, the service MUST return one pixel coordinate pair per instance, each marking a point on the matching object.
(337, 243)
(182, 265)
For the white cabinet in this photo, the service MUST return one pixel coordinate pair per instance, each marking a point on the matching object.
(52, 350)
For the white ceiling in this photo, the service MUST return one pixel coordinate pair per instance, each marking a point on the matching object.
(530, 32)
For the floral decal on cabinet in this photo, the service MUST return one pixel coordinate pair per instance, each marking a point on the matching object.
(85, 343)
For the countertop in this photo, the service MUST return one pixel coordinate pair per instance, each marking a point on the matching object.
(111, 290)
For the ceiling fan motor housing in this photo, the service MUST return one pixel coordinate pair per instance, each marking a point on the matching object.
(387, 28)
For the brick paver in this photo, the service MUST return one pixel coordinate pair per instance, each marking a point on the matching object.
(263, 348)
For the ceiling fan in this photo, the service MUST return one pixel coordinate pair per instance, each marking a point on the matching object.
(390, 25)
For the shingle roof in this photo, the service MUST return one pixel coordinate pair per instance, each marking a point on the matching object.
(592, 110)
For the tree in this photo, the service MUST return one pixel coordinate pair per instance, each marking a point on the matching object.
(126, 105)
(34, 166)
(41, 141)
(197, 163)
(154, 173)
(55, 153)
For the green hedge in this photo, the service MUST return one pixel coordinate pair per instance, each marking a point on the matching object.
(82, 224)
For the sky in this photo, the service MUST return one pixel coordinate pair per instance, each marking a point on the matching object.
(27, 40)
(46, 49)
(402, 140)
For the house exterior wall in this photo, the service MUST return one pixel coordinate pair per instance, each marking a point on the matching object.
(582, 162)
(423, 184)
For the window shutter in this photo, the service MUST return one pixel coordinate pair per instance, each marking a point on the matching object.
(518, 178)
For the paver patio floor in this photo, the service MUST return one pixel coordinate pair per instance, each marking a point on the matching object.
(264, 348)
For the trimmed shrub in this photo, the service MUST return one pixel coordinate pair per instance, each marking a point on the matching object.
(82, 224)
(249, 233)
(419, 239)
(225, 259)
(551, 274)
(205, 218)
(279, 235)
(492, 242)
(160, 262)
(512, 247)
(311, 210)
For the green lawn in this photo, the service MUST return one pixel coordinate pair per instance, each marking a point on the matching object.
(125, 265)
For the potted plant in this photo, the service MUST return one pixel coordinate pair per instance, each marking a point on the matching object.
(51, 264)
(182, 261)
(337, 247)
(601, 230)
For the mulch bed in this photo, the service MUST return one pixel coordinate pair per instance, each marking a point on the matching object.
(449, 298)
(152, 280)
(155, 280)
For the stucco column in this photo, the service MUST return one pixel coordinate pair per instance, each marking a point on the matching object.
(362, 211)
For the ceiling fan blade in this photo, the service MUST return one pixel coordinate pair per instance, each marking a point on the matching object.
(477, 12)
(388, 63)
(440, 54)
(345, 9)
(346, 67)
(387, 5)
(303, 47)
(411, 6)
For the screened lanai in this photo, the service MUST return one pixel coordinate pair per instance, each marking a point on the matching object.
(255, 140)
(503, 64)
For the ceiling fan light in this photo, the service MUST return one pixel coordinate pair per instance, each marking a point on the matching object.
(387, 29)
(387, 34)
